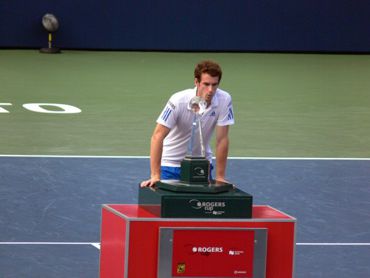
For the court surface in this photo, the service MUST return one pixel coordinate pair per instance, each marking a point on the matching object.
(50, 220)
(300, 144)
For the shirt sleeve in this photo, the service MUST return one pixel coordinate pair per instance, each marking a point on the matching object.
(168, 115)
(226, 116)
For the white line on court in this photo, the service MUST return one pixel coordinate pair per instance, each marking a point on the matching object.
(71, 156)
(46, 243)
(97, 244)
(299, 158)
(146, 157)
(334, 244)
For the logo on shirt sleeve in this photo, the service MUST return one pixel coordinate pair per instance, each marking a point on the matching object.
(230, 115)
(173, 106)
(166, 113)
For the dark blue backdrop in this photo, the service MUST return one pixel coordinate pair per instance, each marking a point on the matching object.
(198, 25)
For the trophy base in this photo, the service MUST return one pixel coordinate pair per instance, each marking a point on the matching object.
(169, 204)
(180, 186)
(194, 170)
(50, 50)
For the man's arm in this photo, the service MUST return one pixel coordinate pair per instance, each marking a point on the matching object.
(156, 146)
(222, 150)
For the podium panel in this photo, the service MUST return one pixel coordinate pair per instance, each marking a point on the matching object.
(212, 252)
(136, 242)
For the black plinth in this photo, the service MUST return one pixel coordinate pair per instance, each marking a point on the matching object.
(230, 204)
(206, 187)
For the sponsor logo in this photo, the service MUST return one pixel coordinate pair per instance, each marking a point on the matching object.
(230, 115)
(209, 207)
(207, 249)
(166, 113)
(217, 212)
(235, 252)
(173, 106)
(181, 268)
(199, 171)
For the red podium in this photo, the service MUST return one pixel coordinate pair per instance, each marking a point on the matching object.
(137, 243)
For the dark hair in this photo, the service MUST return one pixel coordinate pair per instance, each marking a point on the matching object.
(208, 66)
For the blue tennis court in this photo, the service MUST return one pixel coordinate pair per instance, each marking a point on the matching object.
(50, 220)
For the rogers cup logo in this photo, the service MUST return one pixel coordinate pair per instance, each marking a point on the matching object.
(208, 206)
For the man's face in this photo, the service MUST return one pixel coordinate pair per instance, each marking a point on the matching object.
(206, 87)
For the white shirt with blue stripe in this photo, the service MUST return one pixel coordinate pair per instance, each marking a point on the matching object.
(178, 117)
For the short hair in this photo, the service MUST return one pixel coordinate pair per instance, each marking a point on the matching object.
(207, 66)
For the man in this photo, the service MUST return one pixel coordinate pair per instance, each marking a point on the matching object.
(170, 139)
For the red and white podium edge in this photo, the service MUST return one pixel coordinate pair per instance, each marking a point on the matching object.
(137, 243)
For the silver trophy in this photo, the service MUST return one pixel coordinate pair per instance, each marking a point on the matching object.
(198, 106)
(195, 167)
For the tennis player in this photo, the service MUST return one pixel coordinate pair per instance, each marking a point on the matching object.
(170, 139)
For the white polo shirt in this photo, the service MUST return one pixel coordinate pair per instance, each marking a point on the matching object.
(178, 118)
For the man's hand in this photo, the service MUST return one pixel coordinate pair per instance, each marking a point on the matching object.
(149, 183)
(221, 179)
